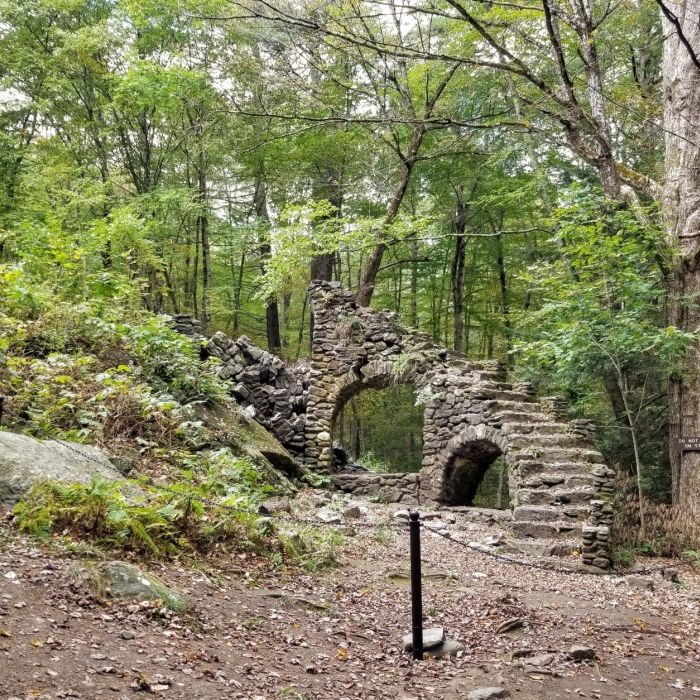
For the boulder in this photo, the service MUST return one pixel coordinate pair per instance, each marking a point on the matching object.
(25, 461)
(432, 637)
(247, 438)
(487, 693)
(449, 647)
(122, 580)
(580, 653)
(278, 504)
(328, 516)
(354, 511)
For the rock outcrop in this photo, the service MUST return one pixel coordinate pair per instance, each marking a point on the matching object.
(25, 461)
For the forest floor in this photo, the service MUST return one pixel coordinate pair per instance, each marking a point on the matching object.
(256, 631)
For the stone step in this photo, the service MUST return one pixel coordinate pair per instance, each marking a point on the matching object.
(549, 513)
(518, 428)
(530, 467)
(553, 479)
(488, 375)
(536, 439)
(553, 454)
(570, 530)
(522, 413)
(534, 467)
(499, 395)
(527, 407)
(555, 496)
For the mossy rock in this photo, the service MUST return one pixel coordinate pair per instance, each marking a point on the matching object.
(247, 438)
(119, 579)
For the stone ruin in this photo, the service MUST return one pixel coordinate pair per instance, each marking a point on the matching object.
(559, 486)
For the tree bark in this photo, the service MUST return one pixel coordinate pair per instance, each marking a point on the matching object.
(681, 211)
(374, 262)
(203, 228)
(457, 275)
(272, 315)
(505, 305)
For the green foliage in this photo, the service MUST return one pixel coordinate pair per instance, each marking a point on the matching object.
(602, 302)
(386, 426)
(149, 520)
(311, 547)
(623, 558)
(597, 333)
(693, 557)
(77, 372)
(132, 177)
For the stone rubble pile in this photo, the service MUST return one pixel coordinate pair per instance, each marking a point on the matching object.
(277, 392)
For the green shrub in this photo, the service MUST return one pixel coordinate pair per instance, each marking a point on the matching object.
(692, 557)
(623, 558)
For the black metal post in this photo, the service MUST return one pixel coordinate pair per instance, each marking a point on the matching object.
(416, 592)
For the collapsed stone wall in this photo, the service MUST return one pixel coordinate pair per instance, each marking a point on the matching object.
(276, 392)
(389, 488)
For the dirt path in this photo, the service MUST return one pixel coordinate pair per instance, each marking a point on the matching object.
(336, 635)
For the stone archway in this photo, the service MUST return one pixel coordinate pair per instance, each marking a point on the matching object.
(454, 477)
(471, 414)
(373, 375)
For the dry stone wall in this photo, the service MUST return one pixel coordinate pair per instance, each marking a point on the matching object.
(387, 488)
(472, 416)
(276, 393)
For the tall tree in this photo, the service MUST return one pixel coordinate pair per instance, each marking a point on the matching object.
(681, 209)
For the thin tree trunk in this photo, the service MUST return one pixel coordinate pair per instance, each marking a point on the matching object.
(414, 284)
(272, 316)
(457, 275)
(237, 293)
(300, 338)
(203, 227)
(624, 392)
(374, 262)
(505, 306)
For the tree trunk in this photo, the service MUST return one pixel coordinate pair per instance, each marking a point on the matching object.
(414, 284)
(203, 228)
(505, 305)
(272, 315)
(374, 262)
(681, 210)
(457, 276)
(625, 449)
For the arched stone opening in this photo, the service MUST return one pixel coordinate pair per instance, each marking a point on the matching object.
(465, 471)
(378, 427)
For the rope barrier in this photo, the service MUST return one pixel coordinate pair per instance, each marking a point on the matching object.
(481, 549)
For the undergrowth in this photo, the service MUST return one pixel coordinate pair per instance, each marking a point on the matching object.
(109, 374)
(669, 531)
(309, 546)
(144, 519)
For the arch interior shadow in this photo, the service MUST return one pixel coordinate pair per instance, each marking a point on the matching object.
(465, 471)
